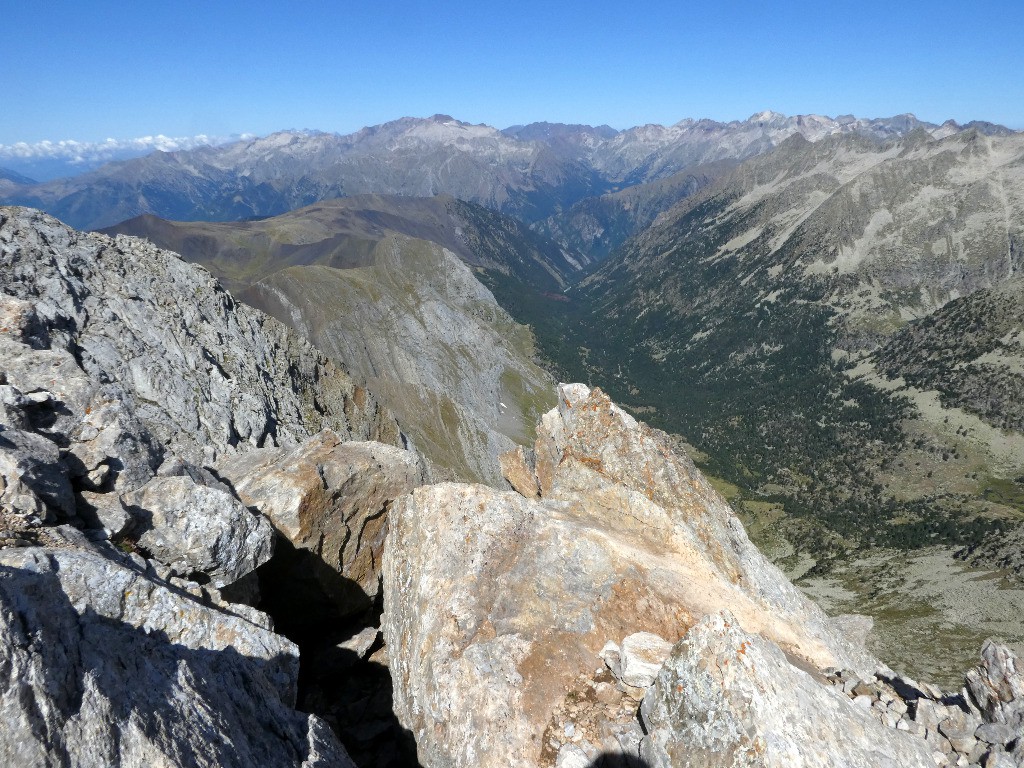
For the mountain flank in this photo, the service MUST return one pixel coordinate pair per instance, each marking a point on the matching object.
(753, 319)
(390, 288)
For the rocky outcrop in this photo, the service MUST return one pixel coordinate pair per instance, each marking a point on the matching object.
(532, 631)
(521, 628)
(497, 606)
(997, 687)
(981, 724)
(329, 499)
(123, 373)
(199, 530)
(206, 375)
(726, 697)
(104, 663)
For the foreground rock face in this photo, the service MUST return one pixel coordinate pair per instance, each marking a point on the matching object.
(123, 374)
(104, 664)
(497, 606)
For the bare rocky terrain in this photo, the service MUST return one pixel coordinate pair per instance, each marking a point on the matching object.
(608, 608)
(225, 541)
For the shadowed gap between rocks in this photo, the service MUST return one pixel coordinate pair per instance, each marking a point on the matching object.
(618, 760)
(351, 690)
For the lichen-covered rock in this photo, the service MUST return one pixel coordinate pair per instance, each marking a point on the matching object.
(101, 665)
(495, 604)
(728, 698)
(329, 498)
(195, 529)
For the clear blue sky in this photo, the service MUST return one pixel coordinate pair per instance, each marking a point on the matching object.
(92, 69)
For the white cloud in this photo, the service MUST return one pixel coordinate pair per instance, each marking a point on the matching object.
(78, 152)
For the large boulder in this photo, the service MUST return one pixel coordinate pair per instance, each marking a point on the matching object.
(496, 606)
(329, 499)
(726, 698)
(198, 530)
(102, 665)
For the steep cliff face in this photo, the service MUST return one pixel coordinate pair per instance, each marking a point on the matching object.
(426, 337)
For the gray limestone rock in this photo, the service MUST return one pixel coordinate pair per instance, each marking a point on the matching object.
(104, 512)
(103, 666)
(726, 697)
(31, 466)
(997, 685)
(204, 372)
(195, 529)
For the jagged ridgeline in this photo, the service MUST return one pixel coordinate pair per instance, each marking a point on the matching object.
(531, 172)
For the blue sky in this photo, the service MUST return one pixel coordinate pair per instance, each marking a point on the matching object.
(92, 70)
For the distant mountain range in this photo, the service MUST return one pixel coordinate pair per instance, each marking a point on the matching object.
(11, 180)
(47, 160)
(531, 172)
(827, 310)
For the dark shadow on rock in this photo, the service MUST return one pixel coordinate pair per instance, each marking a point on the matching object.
(618, 760)
(318, 609)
